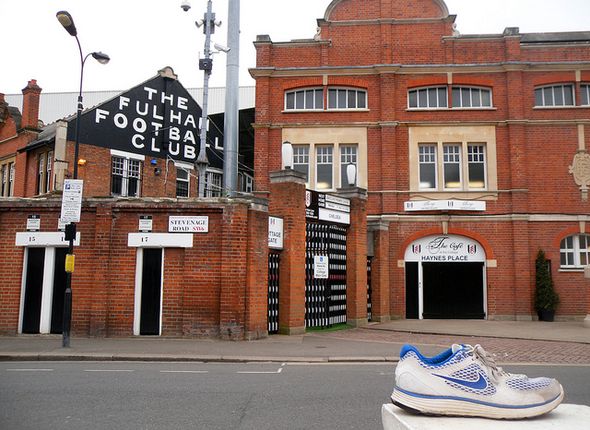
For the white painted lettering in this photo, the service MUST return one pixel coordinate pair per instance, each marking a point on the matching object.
(154, 146)
(139, 125)
(181, 103)
(134, 140)
(142, 112)
(189, 137)
(101, 114)
(170, 98)
(174, 133)
(190, 120)
(173, 148)
(123, 102)
(120, 120)
(150, 92)
(175, 118)
(190, 152)
(155, 114)
(157, 127)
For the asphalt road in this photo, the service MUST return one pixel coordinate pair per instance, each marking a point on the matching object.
(133, 395)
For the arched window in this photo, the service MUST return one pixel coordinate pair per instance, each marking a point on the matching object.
(555, 95)
(305, 99)
(575, 251)
(472, 97)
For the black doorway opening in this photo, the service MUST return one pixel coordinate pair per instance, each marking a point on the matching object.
(151, 285)
(453, 290)
(33, 290)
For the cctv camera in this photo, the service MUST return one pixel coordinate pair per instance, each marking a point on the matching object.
(185, 5)
(221, 48)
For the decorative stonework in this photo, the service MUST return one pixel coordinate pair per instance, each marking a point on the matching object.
(580, 168)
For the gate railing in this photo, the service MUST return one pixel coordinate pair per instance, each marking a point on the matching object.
(273, 292)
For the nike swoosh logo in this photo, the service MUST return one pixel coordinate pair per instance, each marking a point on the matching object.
(479, 384)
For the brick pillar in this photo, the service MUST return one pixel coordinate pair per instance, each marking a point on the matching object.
(356, 257)
(257, 273)
(287, 200)
(523, 291)
(380, 290)
(102, 271)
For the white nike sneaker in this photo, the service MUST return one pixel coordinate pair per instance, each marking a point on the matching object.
(465, 381)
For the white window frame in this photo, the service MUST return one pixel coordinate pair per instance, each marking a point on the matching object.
(305, 91)
(301, 158)
(553, 88)
(422, 161)
(469, 105)
(585, 94)
(348, 90)
(576, 250)
(324, 156)
(429, 105)
(214, 183)
(447, 161)
(465, 136)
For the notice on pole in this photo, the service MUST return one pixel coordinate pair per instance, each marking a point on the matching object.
(320, 267)
(71, 202)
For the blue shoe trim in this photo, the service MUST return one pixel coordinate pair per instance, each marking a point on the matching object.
(437, 360)
(479, 402)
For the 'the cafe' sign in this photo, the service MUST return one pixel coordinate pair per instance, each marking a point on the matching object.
(158, 118)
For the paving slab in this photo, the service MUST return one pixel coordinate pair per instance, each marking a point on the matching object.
(564, 417)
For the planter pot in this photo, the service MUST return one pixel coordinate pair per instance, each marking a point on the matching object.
(545, 315)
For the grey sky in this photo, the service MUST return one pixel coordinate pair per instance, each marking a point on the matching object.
(142, 36)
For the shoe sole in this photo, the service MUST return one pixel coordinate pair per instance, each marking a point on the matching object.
(463, 407)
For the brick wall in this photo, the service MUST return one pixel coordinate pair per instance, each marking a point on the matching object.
(216, 288)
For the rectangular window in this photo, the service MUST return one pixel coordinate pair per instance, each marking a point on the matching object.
(348, 155)
(4, 179)
(556, 95)
(476, 158)
(324, 163)
(427, 160)
(452, 166)
(213, 184)
(125, 177)
(182, 182)
(11, 179)
(41, 173)
(585, 91)
(301, 160)
(428, 98)
(48, 169)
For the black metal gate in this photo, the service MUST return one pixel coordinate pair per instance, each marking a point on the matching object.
(325, 299)
(273, 292)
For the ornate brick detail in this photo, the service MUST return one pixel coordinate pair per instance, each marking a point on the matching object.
(580, 168)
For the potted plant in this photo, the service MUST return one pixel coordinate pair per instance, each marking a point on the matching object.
(546, 299)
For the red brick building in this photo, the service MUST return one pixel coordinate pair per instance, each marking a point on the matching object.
(474, 151)
(151, 258)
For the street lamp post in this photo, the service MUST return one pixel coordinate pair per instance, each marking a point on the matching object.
(66, 20)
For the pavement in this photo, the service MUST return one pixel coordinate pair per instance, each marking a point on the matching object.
(510, 341)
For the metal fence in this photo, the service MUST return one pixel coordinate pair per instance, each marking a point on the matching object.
(273, 292)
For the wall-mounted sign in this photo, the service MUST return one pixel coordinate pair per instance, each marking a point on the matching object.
(275, 232)
(33, 223)
(188, 224)
(158, 118)
(445, 249)
(444, 205)
(326, 207)
(145, 223)
(45, 238)
(71, 201)
(321, 268)
(159, 240)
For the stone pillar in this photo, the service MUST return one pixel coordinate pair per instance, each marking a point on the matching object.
(380, 271)
(356, 257)
(287, 201)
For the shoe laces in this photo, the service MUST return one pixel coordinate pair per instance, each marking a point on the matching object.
(480, 354)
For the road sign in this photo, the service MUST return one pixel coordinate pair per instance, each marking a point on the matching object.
(71, 201)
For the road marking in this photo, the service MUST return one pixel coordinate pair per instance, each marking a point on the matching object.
(29, 370)
(279, 370)
(109, 370)
(184, 371)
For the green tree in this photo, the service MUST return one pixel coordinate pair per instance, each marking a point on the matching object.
(546, 298)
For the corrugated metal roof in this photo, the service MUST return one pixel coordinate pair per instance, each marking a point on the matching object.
(54, 106)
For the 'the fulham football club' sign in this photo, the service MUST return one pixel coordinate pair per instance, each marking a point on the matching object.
(158, 118)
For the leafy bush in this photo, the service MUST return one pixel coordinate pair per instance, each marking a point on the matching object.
(545, 296)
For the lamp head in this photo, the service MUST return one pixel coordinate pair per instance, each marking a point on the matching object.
(221, 48)
(101, 57)
(67, 22)
(287, 154)
(185, 5)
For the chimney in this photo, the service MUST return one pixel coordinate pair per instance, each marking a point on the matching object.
(31, 96)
